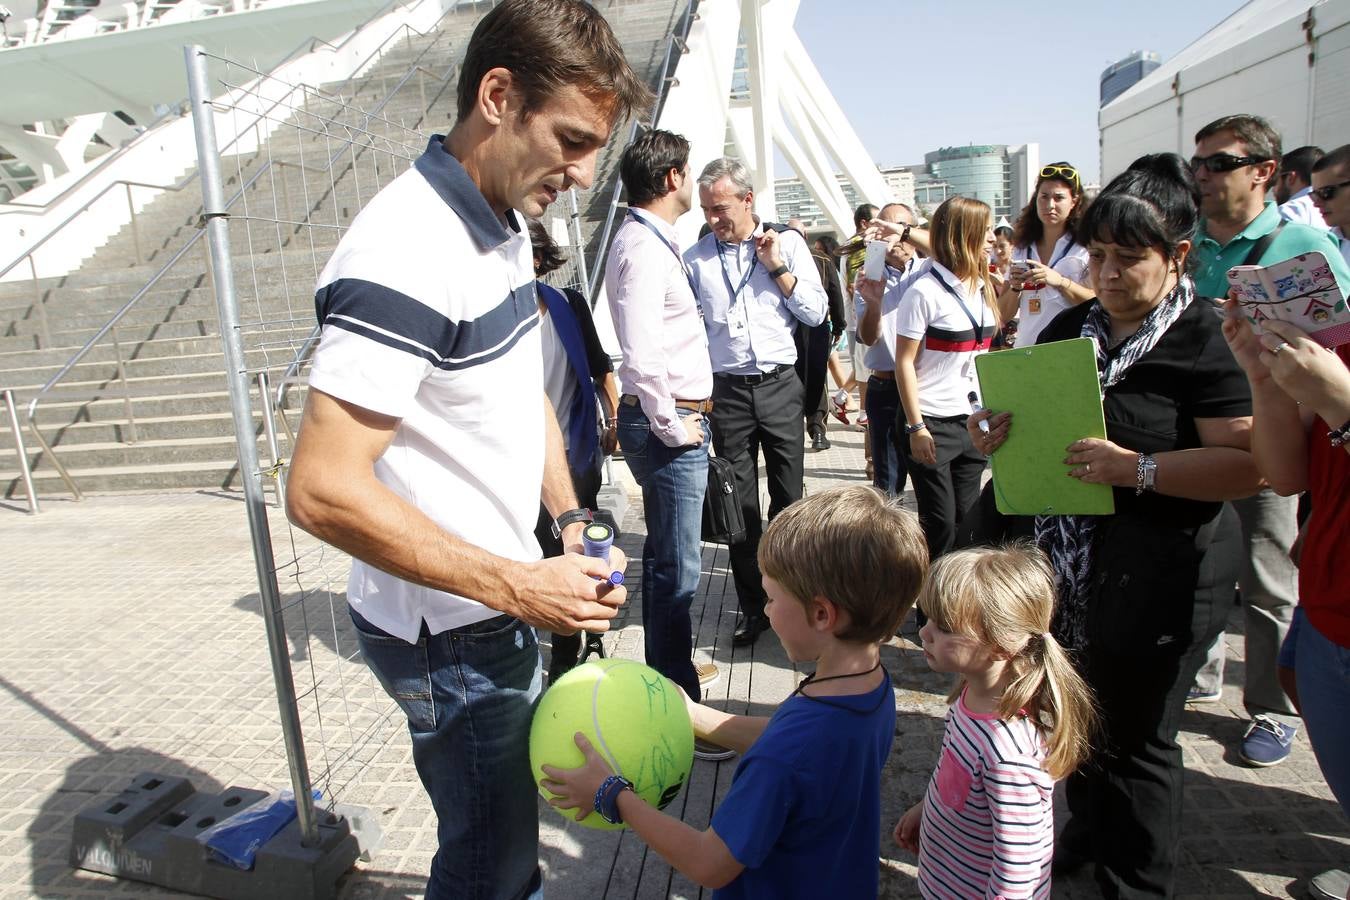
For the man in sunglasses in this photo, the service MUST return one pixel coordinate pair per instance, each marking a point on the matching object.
(1235, 161)
(1331, 194)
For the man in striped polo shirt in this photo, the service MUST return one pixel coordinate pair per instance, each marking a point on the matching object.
(428, 442)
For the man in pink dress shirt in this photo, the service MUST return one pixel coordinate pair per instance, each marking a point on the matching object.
(667, 379)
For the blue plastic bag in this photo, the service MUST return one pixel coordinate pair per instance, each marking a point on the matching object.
(235, 841)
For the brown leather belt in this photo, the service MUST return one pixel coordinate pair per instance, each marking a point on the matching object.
(701, 406)
(883, 375)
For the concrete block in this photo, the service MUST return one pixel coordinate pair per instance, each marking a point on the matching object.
(149, 831)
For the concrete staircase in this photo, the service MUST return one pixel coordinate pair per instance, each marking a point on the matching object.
(162, 419)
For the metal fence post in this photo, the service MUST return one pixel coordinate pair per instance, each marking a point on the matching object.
(217, 230)
(21, 453)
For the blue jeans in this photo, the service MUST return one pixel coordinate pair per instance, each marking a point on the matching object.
(1322, 668)
(673, 481)
(469, 695)
(888, 462)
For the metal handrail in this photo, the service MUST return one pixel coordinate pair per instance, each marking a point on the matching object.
(678, 39)
(189, 178)
(79, 355)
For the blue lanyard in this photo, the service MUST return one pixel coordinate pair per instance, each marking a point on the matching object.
(736, 292)
(669, 246)
(1054, 260)
(979, 329)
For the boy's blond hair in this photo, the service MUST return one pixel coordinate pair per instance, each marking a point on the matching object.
(855, 548)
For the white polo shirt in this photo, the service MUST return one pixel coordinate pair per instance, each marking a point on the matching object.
(1037, 309)
(429, 315)
(954, 327)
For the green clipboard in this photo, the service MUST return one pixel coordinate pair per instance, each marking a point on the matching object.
(1055, 399)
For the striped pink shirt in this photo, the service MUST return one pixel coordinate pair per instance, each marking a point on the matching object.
(988, 817)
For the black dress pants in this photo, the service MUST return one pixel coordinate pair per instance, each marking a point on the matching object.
(749, 416)
(944, 491)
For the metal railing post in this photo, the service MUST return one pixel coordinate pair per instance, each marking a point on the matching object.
(44, 329)
(217, 231)
(21, 453)
(278, 469)
(135, 227)
(126, 388)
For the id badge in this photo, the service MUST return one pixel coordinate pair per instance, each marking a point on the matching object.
(736, 324)
(1034, 305)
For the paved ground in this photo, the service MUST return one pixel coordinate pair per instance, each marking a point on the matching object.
(136, 645)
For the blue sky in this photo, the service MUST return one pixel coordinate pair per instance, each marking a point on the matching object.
(916, 75)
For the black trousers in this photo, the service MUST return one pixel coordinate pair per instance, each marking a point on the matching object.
(749, 418)
(944, 491)
(1161, 595)
(813, 358)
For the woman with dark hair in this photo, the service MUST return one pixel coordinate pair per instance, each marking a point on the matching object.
(1143, 591)
(950, 315)
(579, 381)
(1047, 272)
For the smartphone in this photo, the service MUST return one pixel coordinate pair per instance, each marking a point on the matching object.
(874, 264)
(1018, 269)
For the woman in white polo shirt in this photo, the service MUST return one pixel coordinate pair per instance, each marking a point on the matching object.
(1049, 268)
(945, 319)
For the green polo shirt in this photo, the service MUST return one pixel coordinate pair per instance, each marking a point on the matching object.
(1212, 262)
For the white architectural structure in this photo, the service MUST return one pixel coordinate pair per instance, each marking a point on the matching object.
(788, 107)
(1286, 60)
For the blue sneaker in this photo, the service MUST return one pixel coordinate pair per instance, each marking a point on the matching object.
(1198, 694)
(1267, 742)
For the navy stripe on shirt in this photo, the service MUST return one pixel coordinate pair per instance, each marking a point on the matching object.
(396, 320)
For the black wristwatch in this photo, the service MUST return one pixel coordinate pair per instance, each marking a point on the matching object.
(778, 272)
(571, 517)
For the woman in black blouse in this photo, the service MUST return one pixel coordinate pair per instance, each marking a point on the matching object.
(1143, 591)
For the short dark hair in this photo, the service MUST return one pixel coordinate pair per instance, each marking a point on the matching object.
(828, 243)
(1338, 157)
(547, 44)
(545, 250)
(1154, 203)
(648, 160)
(1300, 161)
(1261, 140)
(864, 214)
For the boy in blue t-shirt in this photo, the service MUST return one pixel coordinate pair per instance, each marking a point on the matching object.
(803, 815)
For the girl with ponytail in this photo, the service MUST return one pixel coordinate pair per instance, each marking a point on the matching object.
(1021, 719)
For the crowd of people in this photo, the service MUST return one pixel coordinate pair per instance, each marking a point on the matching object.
(460, 408)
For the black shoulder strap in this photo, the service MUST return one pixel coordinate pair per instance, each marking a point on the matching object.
(1262, 245)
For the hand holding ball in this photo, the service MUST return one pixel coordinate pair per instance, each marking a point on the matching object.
(633, 716)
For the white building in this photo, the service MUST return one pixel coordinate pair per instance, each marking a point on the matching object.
(1285, 60)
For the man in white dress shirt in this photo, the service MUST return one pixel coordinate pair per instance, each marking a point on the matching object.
(667, 383)
(1293, 187)
(755, 285)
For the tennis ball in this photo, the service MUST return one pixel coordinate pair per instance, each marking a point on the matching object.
(634, 717)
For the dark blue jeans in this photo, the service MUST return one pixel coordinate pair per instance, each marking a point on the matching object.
(673, 481)
(888, 462)
(469, 694)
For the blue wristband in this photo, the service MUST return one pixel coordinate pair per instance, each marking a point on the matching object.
(607, 798)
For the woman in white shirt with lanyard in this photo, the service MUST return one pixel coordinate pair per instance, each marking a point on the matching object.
(1049, 267)
(945, 319)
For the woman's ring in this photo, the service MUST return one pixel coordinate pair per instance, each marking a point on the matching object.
(1278, 347)
(1087, 468)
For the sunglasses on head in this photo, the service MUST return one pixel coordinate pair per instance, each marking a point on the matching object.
(1325, 194)
(1066, 172)
(1224, 162)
